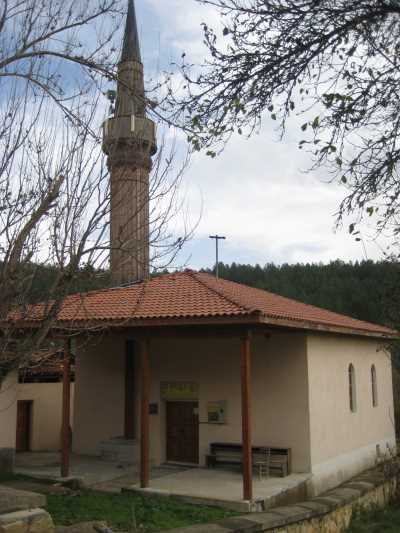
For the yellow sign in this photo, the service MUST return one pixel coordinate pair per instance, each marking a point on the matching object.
(179, 390)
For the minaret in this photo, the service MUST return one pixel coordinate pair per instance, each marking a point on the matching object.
(129, 141)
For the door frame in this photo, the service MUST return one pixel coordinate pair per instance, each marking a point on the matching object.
(29, 404)
(196, 441)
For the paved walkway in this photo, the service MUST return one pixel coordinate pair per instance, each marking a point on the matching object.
(92, 471)
(216, 486)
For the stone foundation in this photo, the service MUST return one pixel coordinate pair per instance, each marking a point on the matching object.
(328, 513)
(7, 460)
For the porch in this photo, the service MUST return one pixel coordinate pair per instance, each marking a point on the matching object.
(214, 487)
(171, 396)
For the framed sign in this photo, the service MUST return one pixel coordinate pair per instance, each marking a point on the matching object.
(179, 390)
(216, 412)
(153, 409)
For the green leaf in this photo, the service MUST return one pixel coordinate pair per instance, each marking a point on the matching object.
(304, 127)
(315, 123)
(273, 116)
(351, 228)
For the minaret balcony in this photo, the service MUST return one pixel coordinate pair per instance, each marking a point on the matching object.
(138, 131)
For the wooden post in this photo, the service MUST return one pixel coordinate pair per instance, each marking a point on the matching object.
(129, 426)
(145, 418)
(66, 410)
(246, 417)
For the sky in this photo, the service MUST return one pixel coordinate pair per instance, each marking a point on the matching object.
(258, 193)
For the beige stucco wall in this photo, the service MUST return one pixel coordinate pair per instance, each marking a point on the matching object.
(279, 391)
(300, 396)
(46, 413)
(8, 410)
(278, 366)
(342, 442)
(99, 392)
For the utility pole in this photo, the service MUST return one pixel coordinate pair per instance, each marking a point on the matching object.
(217, 239)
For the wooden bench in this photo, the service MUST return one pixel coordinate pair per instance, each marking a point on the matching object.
(279, 459)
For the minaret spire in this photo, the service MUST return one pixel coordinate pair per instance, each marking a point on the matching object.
(131, 46)
(129, 140)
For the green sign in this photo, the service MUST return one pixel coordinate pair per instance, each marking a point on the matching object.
(179, 390)
(216, 412)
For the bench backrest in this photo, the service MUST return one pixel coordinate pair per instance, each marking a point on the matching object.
(236, 450)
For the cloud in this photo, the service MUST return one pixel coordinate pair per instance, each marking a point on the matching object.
(257, 192)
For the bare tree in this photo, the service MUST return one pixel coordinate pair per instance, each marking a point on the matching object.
(335, 62)
(56, 212)
(55, 58)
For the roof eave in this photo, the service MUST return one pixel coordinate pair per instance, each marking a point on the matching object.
(319, 327)
(252, 319)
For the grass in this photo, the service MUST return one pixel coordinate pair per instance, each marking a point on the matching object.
(123, 511)
(376, 521)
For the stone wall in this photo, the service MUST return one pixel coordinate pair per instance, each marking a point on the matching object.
(22, 512)
(328, 513)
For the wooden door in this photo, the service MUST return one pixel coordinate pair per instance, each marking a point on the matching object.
(24, 412)
(182, 432)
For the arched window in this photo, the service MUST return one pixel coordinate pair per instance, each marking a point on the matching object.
(352, 389)
(374, 387)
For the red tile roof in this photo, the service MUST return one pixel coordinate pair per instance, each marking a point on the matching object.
(44, 363)
(193, 297)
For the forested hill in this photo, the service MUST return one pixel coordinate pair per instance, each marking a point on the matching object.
(366, 290)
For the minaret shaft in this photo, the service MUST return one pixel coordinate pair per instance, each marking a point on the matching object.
(129, 141)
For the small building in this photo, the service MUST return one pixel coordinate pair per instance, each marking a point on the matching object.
(171, 366)
(184, 360)
(39, 403)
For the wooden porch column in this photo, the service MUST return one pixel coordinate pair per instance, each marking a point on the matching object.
(129, 425)
(145, 418)
(246, 416)
(66, 410)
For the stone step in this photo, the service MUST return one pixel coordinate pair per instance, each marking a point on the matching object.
(27, 521)
(17, 500)
(120, 451)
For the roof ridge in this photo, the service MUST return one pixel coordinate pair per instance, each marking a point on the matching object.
(221, 293)
(141, 295)
(312, 306)
(90, 292)
(286, 298)
(317, 307)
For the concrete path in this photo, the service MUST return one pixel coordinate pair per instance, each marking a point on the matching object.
(91, 471)
(216, 486)
(224, 488)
